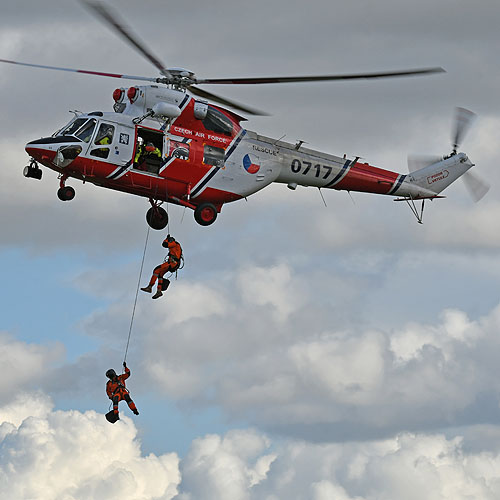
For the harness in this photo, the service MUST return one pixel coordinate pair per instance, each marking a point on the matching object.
(179, 262)
(119, 387)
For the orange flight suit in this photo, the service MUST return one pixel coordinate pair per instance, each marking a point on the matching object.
(116, 391)
(171, 264)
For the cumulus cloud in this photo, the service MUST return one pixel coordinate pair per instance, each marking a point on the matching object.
(322, 381)
(48, 454)
(412, 466)
(225, 467)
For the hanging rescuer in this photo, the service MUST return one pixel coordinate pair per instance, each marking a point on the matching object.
(171, 264)
(116, 391)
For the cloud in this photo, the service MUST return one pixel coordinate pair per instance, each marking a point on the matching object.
(24, 364)
(378, 120)
(270, 285)
(324, 324)
(50, 454)
(412, 466)
(46, 454)
(225, 467)
(315, 378)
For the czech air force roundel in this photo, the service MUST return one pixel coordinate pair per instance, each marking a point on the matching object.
(250, 164)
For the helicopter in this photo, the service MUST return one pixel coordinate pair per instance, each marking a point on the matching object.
(167, 141)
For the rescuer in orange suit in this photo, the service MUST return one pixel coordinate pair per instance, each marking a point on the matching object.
(116, 390)
(170, 264)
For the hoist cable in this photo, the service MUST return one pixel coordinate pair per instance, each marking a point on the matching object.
(136, 293)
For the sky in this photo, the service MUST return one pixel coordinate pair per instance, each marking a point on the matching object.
(307, 352)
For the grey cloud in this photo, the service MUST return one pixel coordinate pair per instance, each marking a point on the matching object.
(319, 375)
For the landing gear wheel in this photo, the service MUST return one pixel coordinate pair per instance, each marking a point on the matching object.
(157, 218)
(205, 214)
(66, 193)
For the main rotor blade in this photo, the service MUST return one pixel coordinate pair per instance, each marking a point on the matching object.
(112, 20)
(476, 187)
(463, 121)
(226, 102)
(87, 72)
(294, 79)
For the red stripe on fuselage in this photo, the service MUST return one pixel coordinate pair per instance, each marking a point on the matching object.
(363, 177)
(133, 181)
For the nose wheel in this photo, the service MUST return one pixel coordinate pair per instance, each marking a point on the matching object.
(66, 193)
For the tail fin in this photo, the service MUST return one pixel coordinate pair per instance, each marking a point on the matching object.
(438, 176)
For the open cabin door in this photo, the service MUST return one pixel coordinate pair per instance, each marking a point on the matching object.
(148, 156)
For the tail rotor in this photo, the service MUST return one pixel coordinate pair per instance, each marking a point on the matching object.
(463, 122)
(475, 186)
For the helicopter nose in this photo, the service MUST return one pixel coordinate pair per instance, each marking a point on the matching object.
(36, 152)
(42, 149)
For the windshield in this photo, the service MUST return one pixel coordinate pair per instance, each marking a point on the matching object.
(84, 133)
(72, 127)
(80, 128)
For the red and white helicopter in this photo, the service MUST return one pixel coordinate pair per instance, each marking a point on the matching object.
(204, 157)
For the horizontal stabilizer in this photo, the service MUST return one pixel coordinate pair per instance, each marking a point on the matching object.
(419, 198)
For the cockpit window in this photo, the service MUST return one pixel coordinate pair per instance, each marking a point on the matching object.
(85, 132)
(73, 127)
(81, 128)
(217, 122)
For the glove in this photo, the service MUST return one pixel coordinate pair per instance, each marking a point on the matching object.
(124, 365)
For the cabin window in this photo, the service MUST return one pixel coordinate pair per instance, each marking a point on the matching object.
(103, 137)
(217, 122)
(100, 152)
(213, 156)
(105, 134)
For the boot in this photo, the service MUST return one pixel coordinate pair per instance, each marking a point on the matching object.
(135, 411)
(157, 295)
(148, 289)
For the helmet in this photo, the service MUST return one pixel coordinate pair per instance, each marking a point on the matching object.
(167, 240)
(111, 374)
(150, 145)
(140, 141)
